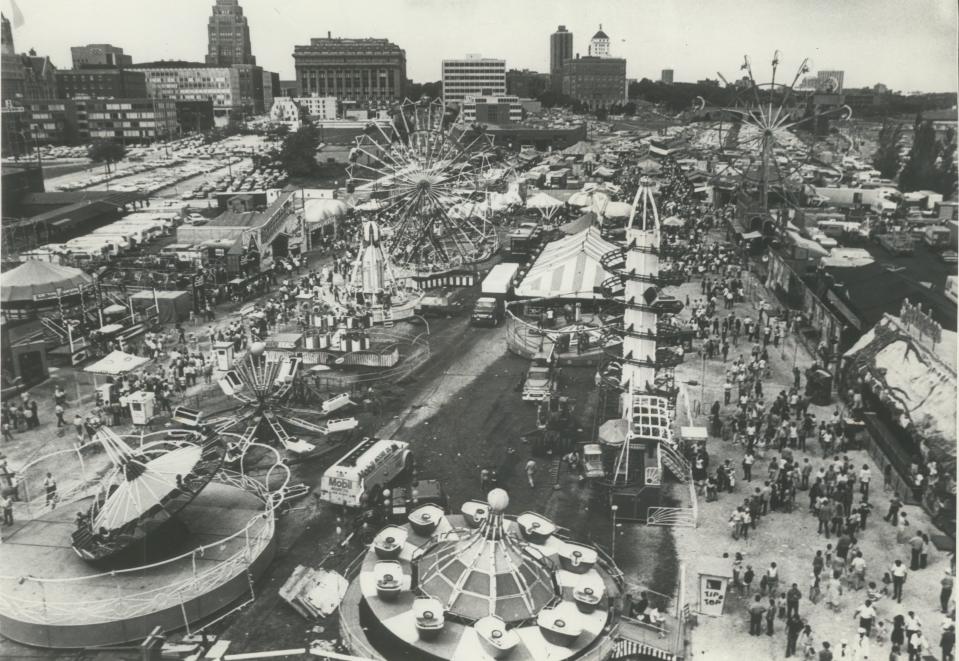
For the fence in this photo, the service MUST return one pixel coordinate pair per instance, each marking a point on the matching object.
(38, 600)
(677, 517)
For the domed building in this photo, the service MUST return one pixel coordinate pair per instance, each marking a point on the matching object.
(481, 585)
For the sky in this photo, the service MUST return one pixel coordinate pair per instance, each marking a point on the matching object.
(905, 44)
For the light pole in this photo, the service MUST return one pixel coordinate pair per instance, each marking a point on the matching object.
(612, 545)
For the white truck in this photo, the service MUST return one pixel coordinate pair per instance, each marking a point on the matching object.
(496, 288)
(365, 470)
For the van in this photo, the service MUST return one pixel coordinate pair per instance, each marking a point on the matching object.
(360, 476)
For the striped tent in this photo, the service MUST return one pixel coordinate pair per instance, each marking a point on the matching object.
(568, 268)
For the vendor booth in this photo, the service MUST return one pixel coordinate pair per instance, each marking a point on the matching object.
(172, 306)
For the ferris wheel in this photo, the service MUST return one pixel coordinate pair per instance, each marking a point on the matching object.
(777, 129)
(431, 178)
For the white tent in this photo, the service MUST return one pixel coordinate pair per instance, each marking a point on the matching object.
(116, 363)
(615, 210)
(545, 204)
(568, 268)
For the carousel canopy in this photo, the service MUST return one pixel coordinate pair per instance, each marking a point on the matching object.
(116, 362)
(487, 572)
(568, 268)
(34, 280)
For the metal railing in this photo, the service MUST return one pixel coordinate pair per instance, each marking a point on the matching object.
(677, 517)
(32, 599)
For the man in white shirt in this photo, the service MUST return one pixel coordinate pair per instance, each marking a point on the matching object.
(867, 616)
(864, 477)
(898, 573)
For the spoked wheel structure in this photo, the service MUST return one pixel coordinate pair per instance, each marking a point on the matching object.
(432, 177)
(776, 131)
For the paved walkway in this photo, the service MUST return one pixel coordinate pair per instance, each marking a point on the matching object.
(790, 539)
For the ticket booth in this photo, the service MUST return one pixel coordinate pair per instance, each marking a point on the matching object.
(714, 577)
(223, 353)
(142, 404)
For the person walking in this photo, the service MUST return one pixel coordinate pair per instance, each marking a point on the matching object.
(50, 487)
(945, 593)
(867, 616)
(915, 542)
(917, 646)
(58, 410)
(756, 610)
(898, 573)
(860, 648)
(892, 514)
(793, 596)
(770, 617)
(947, 643)
(794, 627)
(7, 503)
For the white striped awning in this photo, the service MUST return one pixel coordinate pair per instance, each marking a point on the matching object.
(568, 268)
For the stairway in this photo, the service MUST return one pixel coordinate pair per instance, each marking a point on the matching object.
(387, 316)
(677, 464)
(54, 330)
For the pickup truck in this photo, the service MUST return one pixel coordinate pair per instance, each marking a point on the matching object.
(540, 379)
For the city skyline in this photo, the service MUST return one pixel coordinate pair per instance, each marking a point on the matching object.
(679, 35)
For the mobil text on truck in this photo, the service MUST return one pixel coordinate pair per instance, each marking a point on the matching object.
(365, 470)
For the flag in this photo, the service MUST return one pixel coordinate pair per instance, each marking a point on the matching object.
(16, 13)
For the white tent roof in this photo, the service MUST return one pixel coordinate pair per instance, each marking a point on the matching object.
(568, 268)
(116, 362)
(543, 201)
(616, 210)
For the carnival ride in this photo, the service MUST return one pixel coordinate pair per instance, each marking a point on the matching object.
(480, 585)
(430, 179)
(108, 576)
(262, 381)
(775, 136)
(144, 489)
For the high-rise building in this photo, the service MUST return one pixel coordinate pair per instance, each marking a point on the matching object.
(6, 37)
(666, 76)
(228, 35)
(560, 50)
(598, 82)
(365, 71)
(473, 76)
(830, 81)
(599, 44)
(99, 55)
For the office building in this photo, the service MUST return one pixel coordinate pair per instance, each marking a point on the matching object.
(599, 44)
(236, 91)
(228, 36)
(492, 109)
(473, 76)
(666, 76)
(99, 55)
(102, 83)
(367, 72)
(560, 50)
(598, 82)
(318, 107)
(67, 121)
(527, 84)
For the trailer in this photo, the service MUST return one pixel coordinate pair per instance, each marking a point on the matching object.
(541, 378)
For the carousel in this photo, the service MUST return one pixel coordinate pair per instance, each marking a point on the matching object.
(481, 585)
(152, 532)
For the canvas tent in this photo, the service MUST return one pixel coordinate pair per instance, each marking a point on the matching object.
(568, 268)
(172, 306)
(116, 363)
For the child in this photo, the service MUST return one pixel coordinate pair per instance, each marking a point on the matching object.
(879, 632)
(886, 584)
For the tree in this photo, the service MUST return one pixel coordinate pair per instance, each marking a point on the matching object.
(920, 171)
(947, 171)
(106, 151)
(298, 153)
(886, 158)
